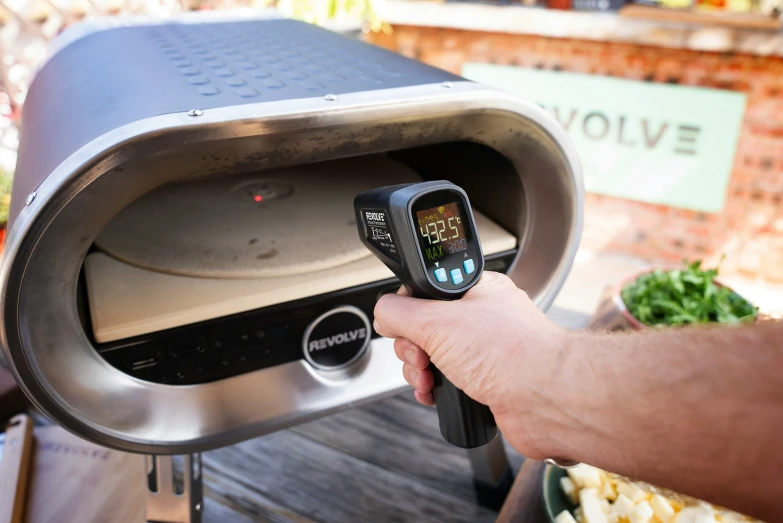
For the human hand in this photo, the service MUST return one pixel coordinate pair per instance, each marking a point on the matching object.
(494, 344)
(691, 409)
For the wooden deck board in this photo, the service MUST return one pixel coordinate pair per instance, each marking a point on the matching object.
(400, 436)
(321, 483)
(229, 501)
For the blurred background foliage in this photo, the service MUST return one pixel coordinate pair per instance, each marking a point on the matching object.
(363, 13)
(6, 180)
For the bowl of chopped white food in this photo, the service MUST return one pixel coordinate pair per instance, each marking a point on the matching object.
(585, 494)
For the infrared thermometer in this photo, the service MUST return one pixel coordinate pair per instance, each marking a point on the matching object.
(425, 233)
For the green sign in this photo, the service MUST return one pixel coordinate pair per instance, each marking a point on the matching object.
(663, 144)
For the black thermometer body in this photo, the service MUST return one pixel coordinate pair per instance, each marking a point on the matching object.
(425, 233)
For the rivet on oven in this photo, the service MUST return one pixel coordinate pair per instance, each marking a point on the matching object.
(331, 97)
(195, 112)
(30, 198)
(448, 85)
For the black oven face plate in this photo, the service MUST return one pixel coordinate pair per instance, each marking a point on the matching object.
(259, 339)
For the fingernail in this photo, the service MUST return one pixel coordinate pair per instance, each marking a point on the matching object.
(375, 326)
(415, 377)
(409, 355)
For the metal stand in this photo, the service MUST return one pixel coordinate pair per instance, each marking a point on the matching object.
(492, 475)
(175, 491)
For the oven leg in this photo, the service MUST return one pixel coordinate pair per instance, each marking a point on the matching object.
(173, 495)
(492, 475)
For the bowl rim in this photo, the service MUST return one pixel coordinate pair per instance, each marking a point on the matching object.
(546, 475)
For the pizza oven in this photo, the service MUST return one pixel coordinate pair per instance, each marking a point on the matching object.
(182, 269)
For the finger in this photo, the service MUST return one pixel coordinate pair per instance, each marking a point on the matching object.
(411, 374)
(403, 317)
(403, 291)
(425, 398)
(409, 352)
(489, 283)
(421, 380)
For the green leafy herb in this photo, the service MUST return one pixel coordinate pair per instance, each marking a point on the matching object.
(683, 296)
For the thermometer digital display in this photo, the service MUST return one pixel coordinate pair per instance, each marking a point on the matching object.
(441, 231)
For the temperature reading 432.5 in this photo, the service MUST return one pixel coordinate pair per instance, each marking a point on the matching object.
(442, 231)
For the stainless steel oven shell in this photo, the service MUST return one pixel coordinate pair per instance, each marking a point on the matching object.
(117, 113)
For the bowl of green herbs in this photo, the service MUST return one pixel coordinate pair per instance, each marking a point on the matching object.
(681, 296)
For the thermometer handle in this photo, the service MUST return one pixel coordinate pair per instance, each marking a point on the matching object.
(464, 422)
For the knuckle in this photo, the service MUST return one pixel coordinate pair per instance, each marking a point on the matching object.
(406, 373)
(426, 381)
(398, 351)
(422, 359)
(424, 398)
(505, 282)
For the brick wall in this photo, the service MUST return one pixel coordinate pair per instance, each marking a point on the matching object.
(749, 231)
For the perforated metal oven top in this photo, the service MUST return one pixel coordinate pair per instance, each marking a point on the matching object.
(112, 78)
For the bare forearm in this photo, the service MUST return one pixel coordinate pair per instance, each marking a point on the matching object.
(697, 410)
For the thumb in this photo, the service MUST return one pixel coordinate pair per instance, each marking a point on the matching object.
(410, 318)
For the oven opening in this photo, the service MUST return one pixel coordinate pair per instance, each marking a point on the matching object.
(202, 280)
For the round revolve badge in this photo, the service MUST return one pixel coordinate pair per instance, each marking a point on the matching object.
(337, 338)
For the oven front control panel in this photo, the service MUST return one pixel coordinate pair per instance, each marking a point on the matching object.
(329, 331)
